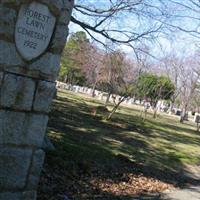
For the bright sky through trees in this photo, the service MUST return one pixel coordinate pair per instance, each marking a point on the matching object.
(174, 23)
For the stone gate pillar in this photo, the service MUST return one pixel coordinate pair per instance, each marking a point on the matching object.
(32, 37)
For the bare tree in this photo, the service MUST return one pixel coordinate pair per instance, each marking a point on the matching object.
(113, 72)
(93, 66)
(173, 68)
(189, 81)
(122, 21)
(136, 22)
(124, 83)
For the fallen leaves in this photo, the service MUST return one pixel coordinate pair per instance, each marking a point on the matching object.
(134, 185)
(58, 183)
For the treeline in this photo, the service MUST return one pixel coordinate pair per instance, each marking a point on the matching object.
(113, 72)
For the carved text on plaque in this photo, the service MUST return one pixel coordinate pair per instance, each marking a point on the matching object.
(34, 29)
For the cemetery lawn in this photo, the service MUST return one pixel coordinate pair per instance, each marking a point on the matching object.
(117, 159)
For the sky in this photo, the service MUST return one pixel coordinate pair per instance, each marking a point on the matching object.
(173, 41)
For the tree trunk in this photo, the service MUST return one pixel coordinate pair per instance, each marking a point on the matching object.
(65, 79)
(198, 127)
(171, 107)
(155, 113)
(155, 109)
(93, 89)
(112, 112)
(183, 113)
(181, 118)
(108, 97)
(115, 109)
(145, 114)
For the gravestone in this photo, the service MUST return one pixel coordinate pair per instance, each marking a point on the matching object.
(178, 112)
(32, 37)
(197, 118)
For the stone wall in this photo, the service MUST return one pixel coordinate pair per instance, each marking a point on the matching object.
(26, 92)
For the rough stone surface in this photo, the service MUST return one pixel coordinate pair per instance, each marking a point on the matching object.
(36, 126)
(46, 66)
(48, 145)
(14, 165)
(59, 40)
(29, 195)
(68, 5)
(27, 88)
(11, 2)
(44, 95)
(20, 128)
(34, 174)
(8, 51)
(1, 78)
(64, 17)
(17, 92)
(10, 196)
(7, 22)
(55, 6)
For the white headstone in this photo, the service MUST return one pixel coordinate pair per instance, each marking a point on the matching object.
(34, 29)
(197, 118)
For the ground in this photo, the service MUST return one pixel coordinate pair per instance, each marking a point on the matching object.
(117, 159)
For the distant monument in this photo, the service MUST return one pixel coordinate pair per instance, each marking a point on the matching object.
(32, 37)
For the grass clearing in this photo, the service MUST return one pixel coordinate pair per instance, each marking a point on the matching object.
(96, 159)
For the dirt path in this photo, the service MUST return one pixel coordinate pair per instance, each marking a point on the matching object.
(191, 192)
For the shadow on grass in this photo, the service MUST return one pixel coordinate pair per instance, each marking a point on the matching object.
(88, 148)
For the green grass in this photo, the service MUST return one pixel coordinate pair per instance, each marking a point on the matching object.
(159, 148)
(155, 141)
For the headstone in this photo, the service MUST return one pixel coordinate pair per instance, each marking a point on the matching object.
(190, 113)
(186, 117)
(197, 118)
(137, 102)
(89, 91)
(32, 37)
(178, 112)
(77, 88)
(80, 89)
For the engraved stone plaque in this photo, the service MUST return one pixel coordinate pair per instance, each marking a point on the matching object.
(34, 29)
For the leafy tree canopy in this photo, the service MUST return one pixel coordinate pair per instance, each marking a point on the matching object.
(71, 60)
(155, 87)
